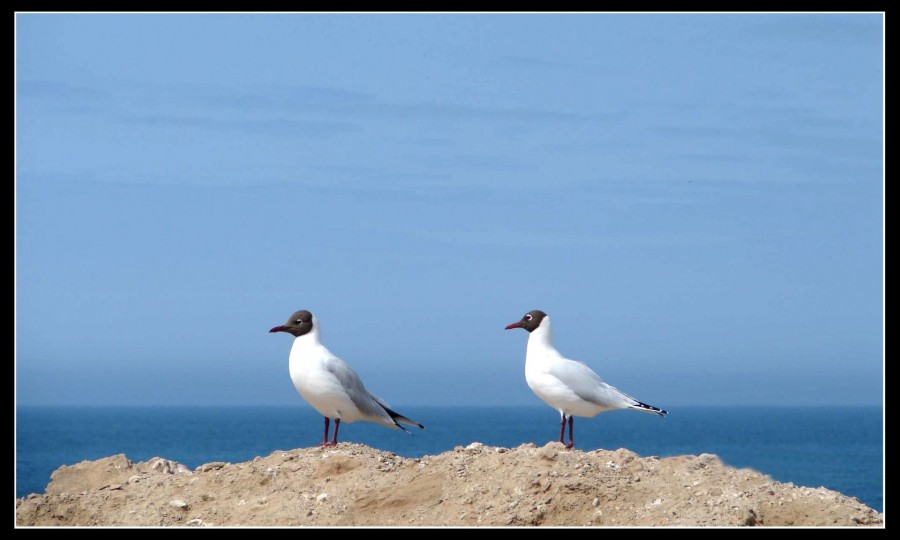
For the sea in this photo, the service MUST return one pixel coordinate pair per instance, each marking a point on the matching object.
(841, 448)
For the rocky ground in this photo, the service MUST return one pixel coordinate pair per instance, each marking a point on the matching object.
(352, 484)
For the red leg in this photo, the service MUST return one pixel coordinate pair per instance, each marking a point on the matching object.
(571, 436)
(325, 436)
(562, 428)
(337, 424)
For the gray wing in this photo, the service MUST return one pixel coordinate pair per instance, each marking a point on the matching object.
(588, 386)
(367, 404)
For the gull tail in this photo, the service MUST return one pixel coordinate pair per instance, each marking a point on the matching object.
(400, 419)
(643, 407)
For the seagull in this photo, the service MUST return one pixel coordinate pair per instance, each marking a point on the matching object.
(328, 384)
(568, 386)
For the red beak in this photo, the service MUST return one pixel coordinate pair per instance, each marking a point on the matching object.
(278, 329)
(514, 325)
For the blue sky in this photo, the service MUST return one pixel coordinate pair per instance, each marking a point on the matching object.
(695, 199)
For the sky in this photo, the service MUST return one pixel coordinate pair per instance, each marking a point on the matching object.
(696, 200)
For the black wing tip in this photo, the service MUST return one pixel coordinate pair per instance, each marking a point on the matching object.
(397, 418)
(407, 421)
(651, 408)
(399, 425)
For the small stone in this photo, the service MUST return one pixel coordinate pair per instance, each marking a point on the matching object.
(322, 498)
(550, 450)
(595, 502)
(752, 519)
(179, 504)
(168, 466)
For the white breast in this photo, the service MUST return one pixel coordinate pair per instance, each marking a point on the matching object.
(308, 367)
(540, 358)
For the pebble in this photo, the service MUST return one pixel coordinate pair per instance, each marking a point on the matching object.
(179, 504)
(169, 467)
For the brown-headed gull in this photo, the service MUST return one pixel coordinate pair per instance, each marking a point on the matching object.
(568, 386)
(328, 384)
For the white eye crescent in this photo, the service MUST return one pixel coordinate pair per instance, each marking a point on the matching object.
(527, 317)
(299, 321)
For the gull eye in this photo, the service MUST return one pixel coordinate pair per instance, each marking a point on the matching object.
(299, 321)
(527, 317)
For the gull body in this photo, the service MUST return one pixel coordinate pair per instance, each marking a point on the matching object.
(328, 384)
(569, 386)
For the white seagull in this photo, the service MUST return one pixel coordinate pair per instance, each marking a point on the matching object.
(568, 386)
(329, 384)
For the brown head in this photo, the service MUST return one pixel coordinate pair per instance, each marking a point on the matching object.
(530, 321)
(301, 322)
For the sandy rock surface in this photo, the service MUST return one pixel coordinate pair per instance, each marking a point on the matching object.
(352, 484)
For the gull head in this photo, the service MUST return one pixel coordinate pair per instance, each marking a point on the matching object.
(299, 323)
(530, 321)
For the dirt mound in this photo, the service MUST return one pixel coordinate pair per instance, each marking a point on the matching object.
(352, 484)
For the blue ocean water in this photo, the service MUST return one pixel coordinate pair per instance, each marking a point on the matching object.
(839, 448)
